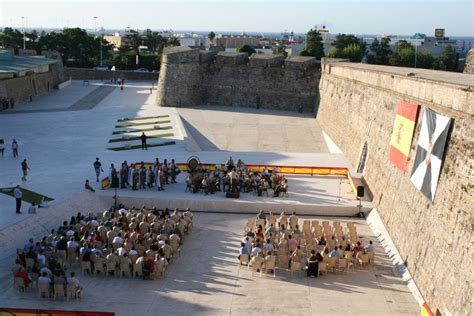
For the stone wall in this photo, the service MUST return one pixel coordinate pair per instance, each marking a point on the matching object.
(92, 74)
(469, 65)
(358, 104)
(21, 88)
(189, 77)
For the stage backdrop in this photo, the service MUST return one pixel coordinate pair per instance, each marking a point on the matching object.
(430, 152)
(402, 134)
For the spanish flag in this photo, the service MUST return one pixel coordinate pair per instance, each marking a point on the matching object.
(402, 134)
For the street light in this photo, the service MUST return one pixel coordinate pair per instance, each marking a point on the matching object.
(23, 31)
(95, 33)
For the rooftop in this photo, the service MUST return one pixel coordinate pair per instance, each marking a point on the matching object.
(11, 65)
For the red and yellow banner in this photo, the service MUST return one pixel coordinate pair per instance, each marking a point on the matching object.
(402, 134)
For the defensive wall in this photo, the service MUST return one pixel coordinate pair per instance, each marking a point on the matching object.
(93, 74)
(32, 84)
(190, 77)
(358, 106)
(469, 65)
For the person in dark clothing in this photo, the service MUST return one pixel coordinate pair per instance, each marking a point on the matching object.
(312, 268)
(98, 168)
(143, 138)
(24, 169)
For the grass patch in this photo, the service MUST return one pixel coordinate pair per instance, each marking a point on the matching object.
(28, 196)
(142, 130)
(141, 118)
(123, 139)
(140, 146)
(140, 124)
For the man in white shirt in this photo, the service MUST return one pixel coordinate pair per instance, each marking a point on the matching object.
(72, 280)
(44, 279)
(268, 246)
(18, 195)
(72, 244)
(118, 239)
(255, 251)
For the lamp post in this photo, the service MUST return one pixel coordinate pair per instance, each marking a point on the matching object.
(95, 33)
(23, 31)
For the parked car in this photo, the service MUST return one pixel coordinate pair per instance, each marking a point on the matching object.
(101, 68)
(142, 70)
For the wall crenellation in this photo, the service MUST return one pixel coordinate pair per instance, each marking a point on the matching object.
(190, 77)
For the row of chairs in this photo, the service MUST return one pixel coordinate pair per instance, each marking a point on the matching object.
(47, 291)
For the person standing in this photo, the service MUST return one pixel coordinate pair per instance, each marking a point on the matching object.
(24, 168)
(12, 103)
(18, 195)
(2, 146)
(143, 138)
(15, 148)
(98, 168)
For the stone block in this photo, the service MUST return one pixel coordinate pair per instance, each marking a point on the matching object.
(230, 58)
(180, 55)
(266, 60)
(301, 63)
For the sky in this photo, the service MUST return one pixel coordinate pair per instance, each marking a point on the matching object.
(402, 17)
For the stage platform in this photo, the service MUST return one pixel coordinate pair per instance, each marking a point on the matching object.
(308, 195)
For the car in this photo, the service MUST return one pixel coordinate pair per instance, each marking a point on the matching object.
(142, 70)
(101, 68)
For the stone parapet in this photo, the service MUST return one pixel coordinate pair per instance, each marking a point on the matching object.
(357, 108)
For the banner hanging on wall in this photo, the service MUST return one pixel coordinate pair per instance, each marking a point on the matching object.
(430, 152)
(402, 134)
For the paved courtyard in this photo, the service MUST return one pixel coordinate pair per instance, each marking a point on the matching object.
(207, 280)
(61, 134)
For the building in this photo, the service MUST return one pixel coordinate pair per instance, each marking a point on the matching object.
(235, 41)
(24, 77)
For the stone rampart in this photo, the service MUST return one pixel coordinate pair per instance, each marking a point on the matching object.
(358, 105)
(190, 77)
(21, 88)
(92, 74)
(469, 65)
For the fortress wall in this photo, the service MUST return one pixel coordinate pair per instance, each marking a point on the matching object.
(358, 105)
(21, 88)
(189, 78)
(469, 65)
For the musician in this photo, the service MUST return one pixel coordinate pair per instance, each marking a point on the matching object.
(230, 164)
(234, 177)
(205, 185)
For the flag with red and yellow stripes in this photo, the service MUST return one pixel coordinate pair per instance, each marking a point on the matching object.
(402, 134)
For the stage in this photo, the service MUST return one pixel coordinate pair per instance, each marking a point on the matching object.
(307, 195)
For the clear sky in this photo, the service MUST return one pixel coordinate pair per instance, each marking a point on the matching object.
(340, 16)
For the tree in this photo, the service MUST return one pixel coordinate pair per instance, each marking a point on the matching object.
(244, 48)
(314, 45)
(76, 46)
(211, 36)
(353, 52)
(404, 55)
(11, 38)
(449, 59)
(133, 41)
(425, 60)
(350, 46)
(154, 41)
(380, 52)
(172, 41)
(280, 50)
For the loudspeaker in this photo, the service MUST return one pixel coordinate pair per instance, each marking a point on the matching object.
(360, 191)
(232, 195)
